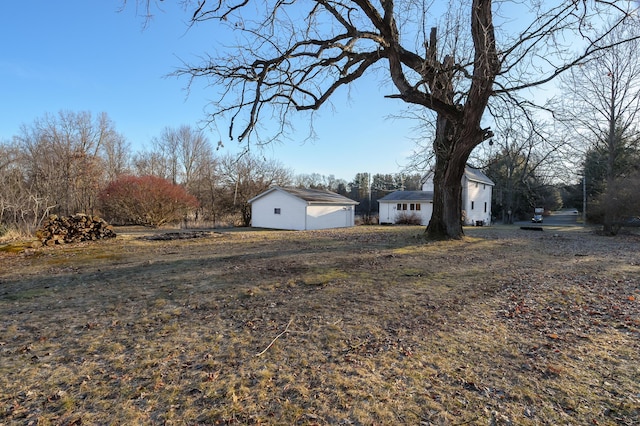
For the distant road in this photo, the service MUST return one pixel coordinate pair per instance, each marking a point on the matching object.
(557, 218)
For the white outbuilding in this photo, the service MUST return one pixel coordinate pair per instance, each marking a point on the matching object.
(301, 209)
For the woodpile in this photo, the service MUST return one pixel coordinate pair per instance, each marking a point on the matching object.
(73, 229)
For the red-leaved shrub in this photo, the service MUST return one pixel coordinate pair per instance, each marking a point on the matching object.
(146, 200)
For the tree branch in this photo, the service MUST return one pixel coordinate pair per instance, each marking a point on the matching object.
(262, 352)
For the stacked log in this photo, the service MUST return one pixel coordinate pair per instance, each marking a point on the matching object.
(73, 229)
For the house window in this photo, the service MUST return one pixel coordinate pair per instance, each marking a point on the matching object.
(484, 186)
(485, 206)
(399, 207)
(276, 210)
(472, 203)
(412, 206)
(476, 184)
(418, 206)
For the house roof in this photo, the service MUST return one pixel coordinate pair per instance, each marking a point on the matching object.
(423, 196)
(311, 196)
(476, 175)
(473, 174)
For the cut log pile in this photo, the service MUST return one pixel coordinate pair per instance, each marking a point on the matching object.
(73, 229)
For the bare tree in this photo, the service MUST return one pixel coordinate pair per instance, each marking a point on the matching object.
(523, 160)
(205, 187)
(21, 206)
(601, 107)
(7, 155)
(294, 56)
(243, 178)
(620, 203)
(116, 156)
(151, 163)
(167, 146)
(194, 152)
(177, 155)
(60, 158)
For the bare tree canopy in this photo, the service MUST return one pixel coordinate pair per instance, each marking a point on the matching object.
(600, 106)
(61, 157)
(448, 57)
(603, 96)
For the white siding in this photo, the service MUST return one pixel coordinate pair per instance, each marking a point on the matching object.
(426, 212)
(427, 185)
(329, 216)
(389, 213)
(292, 212)
(476, 198)
(281, 210)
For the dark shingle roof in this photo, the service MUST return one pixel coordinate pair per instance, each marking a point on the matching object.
(311, 195)
(318, 195)
(408, 196)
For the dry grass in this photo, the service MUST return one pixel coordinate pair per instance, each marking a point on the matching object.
(369, 325)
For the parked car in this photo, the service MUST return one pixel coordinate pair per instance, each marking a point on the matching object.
(537, 218)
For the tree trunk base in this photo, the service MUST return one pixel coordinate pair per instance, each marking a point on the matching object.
(438, 231)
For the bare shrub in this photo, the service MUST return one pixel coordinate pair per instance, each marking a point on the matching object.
(404, 218)
(618, 204)
(367, 219)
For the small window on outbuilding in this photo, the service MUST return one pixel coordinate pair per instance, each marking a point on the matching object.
(412, 206)
(472, 204)
(418, 206)
(276, 210)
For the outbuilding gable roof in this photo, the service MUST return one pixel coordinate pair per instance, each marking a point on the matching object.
(476, 175)
(422, 196)
(311, 196)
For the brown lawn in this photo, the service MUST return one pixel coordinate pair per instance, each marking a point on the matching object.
(368, 325)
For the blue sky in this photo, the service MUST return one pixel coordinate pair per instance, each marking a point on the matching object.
(84, 55)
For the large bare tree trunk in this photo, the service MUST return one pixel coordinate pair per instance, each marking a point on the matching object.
(445, 221)
(458, 134)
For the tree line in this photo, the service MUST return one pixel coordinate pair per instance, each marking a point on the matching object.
(77, 162)
(74, 162)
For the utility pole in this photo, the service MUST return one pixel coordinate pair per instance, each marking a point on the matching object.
(369, 186)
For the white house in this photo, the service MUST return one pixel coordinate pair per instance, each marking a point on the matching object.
(477, 190)
(301, 209)
(406, 203)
